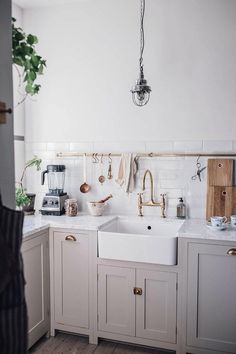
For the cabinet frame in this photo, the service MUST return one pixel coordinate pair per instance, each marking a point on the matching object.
(184, 345)
(92, 292)
(39, 240)
(148, 340)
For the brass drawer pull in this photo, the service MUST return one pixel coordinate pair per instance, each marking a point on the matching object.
(70, 238)
(231, 252)
(138, 291)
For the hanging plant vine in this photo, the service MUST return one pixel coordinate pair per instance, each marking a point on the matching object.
(25, 56)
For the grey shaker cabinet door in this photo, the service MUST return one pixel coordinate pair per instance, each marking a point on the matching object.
(116, 305)
(211, 299)
(35, 254)
(71, 273)
(156, 307)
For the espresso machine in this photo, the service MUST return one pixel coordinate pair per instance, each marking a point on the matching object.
(53, 202)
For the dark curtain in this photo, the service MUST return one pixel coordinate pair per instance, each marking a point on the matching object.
(13, 312)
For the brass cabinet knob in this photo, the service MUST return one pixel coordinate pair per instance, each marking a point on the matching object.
(70, 238)
(231, 252)
(138, 291)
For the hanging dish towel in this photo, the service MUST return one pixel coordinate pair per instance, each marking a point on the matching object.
(127, 171)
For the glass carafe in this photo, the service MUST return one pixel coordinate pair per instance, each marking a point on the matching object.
(56, 178)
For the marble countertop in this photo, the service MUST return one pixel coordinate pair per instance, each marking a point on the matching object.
(37, 223)
(191, 228)
(198, 228)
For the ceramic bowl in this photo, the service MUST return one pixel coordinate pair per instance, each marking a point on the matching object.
(95, 208)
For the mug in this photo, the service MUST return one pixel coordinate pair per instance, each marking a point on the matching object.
(233, 220)
(218, 221)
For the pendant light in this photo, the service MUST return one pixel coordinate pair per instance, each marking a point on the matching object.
(141, 91)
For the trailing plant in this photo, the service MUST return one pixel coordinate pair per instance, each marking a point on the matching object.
(21, 196)
(25, 55)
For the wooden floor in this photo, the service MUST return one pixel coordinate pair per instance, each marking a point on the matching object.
(71, 344)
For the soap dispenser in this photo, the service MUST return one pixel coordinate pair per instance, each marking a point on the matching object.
(181, 209)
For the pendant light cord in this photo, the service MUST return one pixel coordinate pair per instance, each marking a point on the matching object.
(141, 33)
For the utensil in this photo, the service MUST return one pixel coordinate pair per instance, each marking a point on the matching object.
(199, 171)
(84, 188)
(101, 178)
(109, 174)
(105, 199)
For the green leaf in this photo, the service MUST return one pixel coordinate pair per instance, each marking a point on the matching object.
(40, 71)
(29, 88)
(19, 36)
(35, 60)
(32, 75)
(30, 39)
(17, 61)
(25, 55)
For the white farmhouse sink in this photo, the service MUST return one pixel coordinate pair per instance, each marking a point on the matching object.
(140, 240)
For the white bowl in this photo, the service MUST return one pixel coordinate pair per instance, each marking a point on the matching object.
(95, 208)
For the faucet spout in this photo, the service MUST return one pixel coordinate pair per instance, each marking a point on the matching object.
(151, 202)
(148, 172)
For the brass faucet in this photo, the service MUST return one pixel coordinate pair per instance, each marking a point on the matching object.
(151, 202)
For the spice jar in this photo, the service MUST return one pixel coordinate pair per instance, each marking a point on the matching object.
(71, 207)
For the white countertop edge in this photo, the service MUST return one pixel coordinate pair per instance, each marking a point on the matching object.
(192, 228)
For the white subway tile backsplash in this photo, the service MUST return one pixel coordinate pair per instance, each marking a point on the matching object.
(83, 147)
(172, 175)
(187, 146)
(58, 147)
(218, 146)
(119, 147)
(234, 145)
(35, 146)
(159, 146)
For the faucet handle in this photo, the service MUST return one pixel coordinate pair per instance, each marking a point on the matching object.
(140, 204)
(163, 204)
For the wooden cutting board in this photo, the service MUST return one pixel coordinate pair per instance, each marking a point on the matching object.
(220, 172)
(221, 201)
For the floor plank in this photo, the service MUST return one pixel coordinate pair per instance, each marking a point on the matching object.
(64, 343)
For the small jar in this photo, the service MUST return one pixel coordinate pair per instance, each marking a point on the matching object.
(71, 207)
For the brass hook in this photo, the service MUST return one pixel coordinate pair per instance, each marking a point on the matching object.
(96, 157)
(93, 158)
(101, 160)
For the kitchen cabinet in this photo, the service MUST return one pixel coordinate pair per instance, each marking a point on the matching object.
(116, 305)
(211, 297)
(35, 252)
(71, 281)
(137, 302)
(156, 307)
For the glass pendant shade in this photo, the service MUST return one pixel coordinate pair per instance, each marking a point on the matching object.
(141, 91)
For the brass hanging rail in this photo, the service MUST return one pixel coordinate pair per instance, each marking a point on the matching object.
(151, 154)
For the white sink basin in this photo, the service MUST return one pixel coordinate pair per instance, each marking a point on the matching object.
(140, 240)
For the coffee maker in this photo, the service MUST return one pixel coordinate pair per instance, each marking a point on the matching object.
(53, 202)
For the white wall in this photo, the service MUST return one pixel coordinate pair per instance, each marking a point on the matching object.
(85, 103)
(92, 50)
